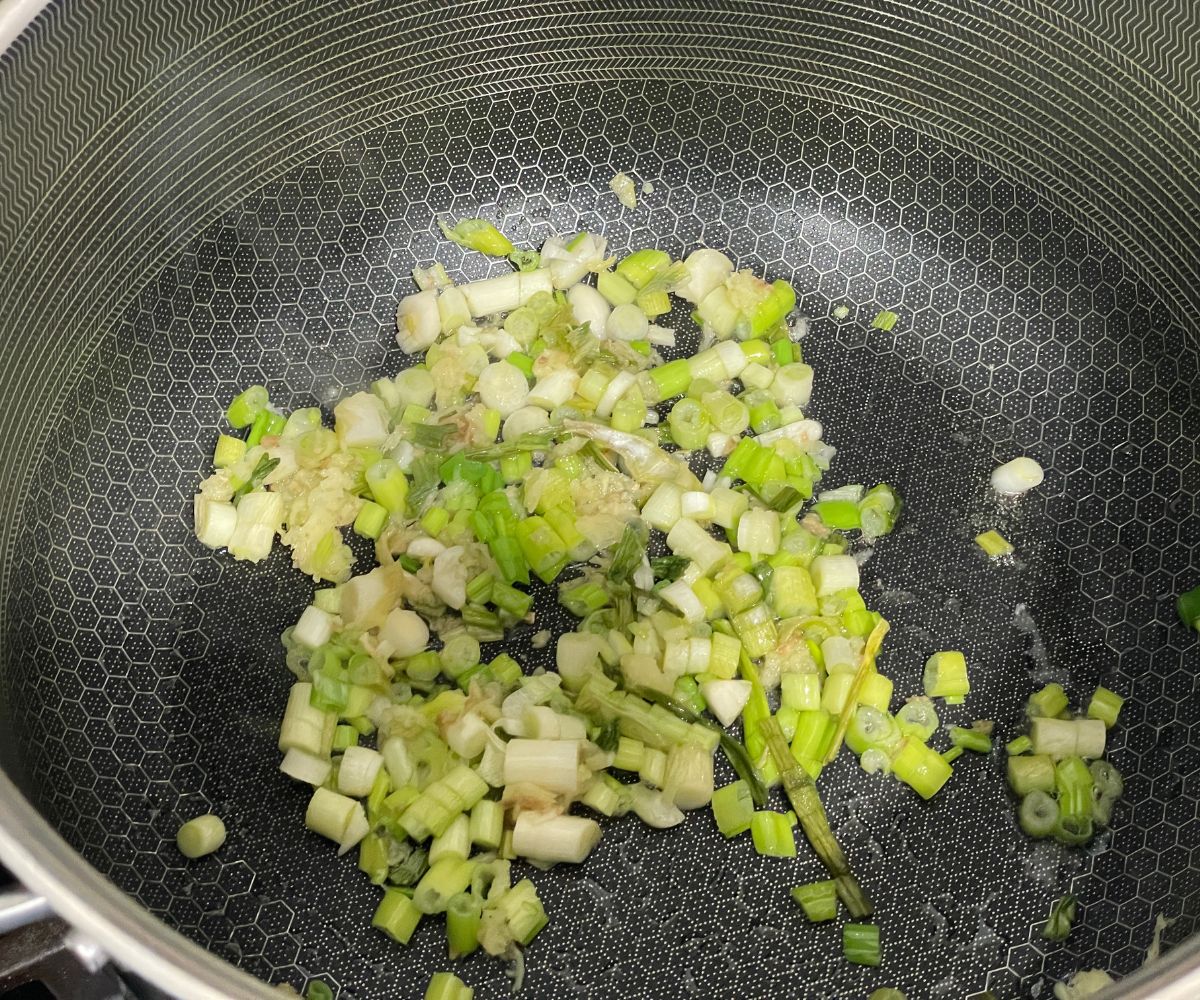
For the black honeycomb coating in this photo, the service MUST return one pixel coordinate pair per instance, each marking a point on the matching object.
(144, 674)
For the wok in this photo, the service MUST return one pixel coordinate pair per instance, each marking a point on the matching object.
(197, 196)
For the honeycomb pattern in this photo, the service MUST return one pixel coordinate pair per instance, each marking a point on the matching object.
(151, 681)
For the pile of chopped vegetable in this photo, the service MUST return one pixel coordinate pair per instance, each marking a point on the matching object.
(543, 440)
(1066, 788)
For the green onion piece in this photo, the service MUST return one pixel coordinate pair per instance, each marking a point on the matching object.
(1074, 831)
(200, 836)
(525, 260)
(388, 485)
(1038, 814)
(643, 266)
(506, 670)
(818, 900)
(1048, 703)
(430, 436)
(463, 915)
(951, 755)
(1062, 915)
(1105, 706)
(1188, 606)
(878, 511)
(921, 768)
(373, 858)
(885, 320)
(860, 944)
(247, 405)
(772, 834)
(397, 916)
(946, 675)
(478, 234)
(1073, 782)
(733, 808)
(666, 381)
(318, 990)
(970, 739)
(479, 588)
(994, 544)
(263, 468)
(814, 734)
(1106, 779)
(668, 569)
(445, 879)
(1031, 773)
(447, 986)
(888, 992)
(510, 600)
(866, 664)
(265, 424)
(802, 794)
(841, 515)
(542, 548)
(1020, 745)
(229, 451)
(370, 520)
(627, 555)
(772, 310)
(689, 423)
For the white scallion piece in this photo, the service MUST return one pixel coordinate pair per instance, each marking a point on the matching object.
(216, 521)
(358, 770)
(551, 764)
(726, 699)
(1017, 477)
(833, 573)
(314, 628)
(306, 767)
(200, 836)
(554, 839)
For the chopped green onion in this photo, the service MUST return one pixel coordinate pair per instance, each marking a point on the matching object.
(1105, 706)
(627, 555)
(819, 900)
(430, 436)
(946, 675)
(247, 405)
(447, 986)
(1038, 814)
(1031, 773)
(772, 834)
(264, 467)
(887, 992)
(860, 944)
(370, 520)
(970, 739)
(1188, 606)
(922, 769)
(1048, 703)
(200, 836)
(885, 320)
(318, 990)
(733, 808)
(994, 544)
(1073, 782)
(525, 260)
(841, 515)
(1020, 745)
(397, 916)
(951, 755)
(463, 916)
(802, 794)
(229, 451)
(1062, 915)
(478, 234)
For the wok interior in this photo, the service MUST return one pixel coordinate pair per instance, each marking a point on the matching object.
(142, 676)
